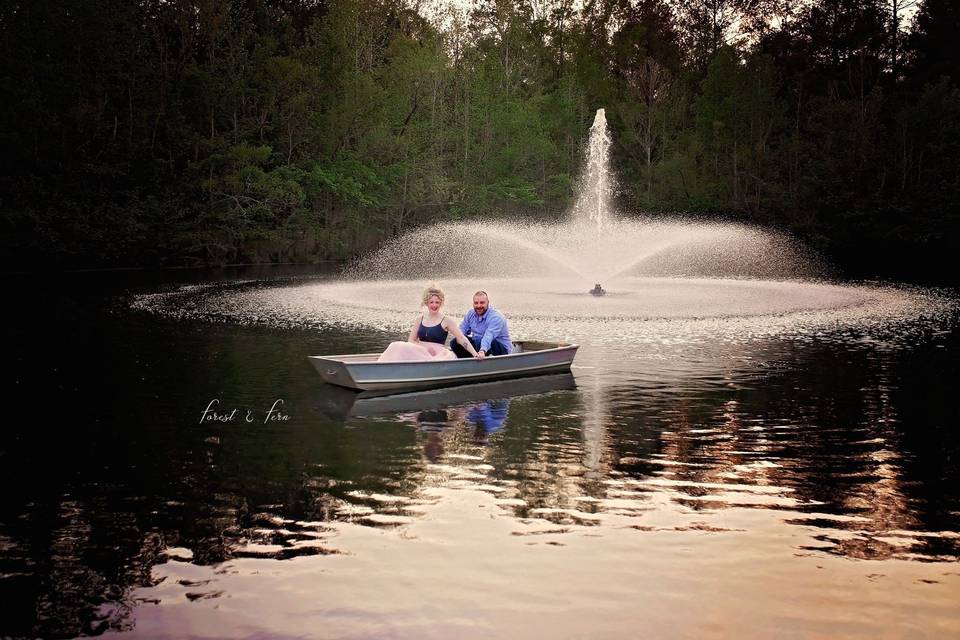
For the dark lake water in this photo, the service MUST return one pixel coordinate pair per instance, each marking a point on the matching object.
(796, 485)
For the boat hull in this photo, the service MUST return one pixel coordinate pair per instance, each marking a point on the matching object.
(362, 372)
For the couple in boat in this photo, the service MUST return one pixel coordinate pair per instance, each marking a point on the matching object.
(483, 332)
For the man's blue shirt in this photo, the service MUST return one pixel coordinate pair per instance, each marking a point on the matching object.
(489, 328)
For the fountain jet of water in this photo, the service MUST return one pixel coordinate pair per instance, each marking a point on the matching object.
(593, 201)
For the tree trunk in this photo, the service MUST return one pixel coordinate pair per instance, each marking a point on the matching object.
(736, 180)
(466, 132)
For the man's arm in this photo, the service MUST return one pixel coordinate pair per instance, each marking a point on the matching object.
(494, 328)
(465, 324)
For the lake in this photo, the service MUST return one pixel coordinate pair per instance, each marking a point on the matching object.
(740, 481)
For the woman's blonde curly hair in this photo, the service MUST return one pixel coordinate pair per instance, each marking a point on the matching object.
(433, 290)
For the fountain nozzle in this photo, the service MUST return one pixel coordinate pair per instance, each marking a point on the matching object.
(597, 290)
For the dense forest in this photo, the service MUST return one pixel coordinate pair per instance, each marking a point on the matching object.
(179, 132)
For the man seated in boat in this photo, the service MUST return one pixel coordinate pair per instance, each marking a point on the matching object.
(485, 328)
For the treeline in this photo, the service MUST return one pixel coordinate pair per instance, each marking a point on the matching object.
(213, 131)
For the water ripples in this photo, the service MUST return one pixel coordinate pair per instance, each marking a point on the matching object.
(692, 462)
(643, 311)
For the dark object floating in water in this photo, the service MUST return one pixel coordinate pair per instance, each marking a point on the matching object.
(597, 290)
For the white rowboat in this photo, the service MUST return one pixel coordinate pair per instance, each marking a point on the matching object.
(362, 372)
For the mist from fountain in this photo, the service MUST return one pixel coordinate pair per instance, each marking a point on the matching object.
(592, 245)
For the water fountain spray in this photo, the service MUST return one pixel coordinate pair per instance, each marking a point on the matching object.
(593, 245)
(593, 201)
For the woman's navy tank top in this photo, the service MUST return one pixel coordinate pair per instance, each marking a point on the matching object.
(435, 333)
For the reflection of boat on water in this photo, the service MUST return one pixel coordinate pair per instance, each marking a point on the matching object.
(343, 402)
(362, 372)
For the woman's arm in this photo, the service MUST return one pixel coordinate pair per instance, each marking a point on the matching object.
(414, 331)
(452, 327)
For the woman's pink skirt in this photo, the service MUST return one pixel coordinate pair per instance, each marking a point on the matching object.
(415, 352)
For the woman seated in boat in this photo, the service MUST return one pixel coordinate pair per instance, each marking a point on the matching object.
(428, 337)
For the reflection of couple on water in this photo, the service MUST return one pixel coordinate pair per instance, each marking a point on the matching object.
(485, 418)
(482, 332)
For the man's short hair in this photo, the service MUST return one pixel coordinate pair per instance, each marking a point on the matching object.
(481, 292)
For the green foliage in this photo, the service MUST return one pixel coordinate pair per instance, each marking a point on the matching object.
(179, 132)
(348, 180)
